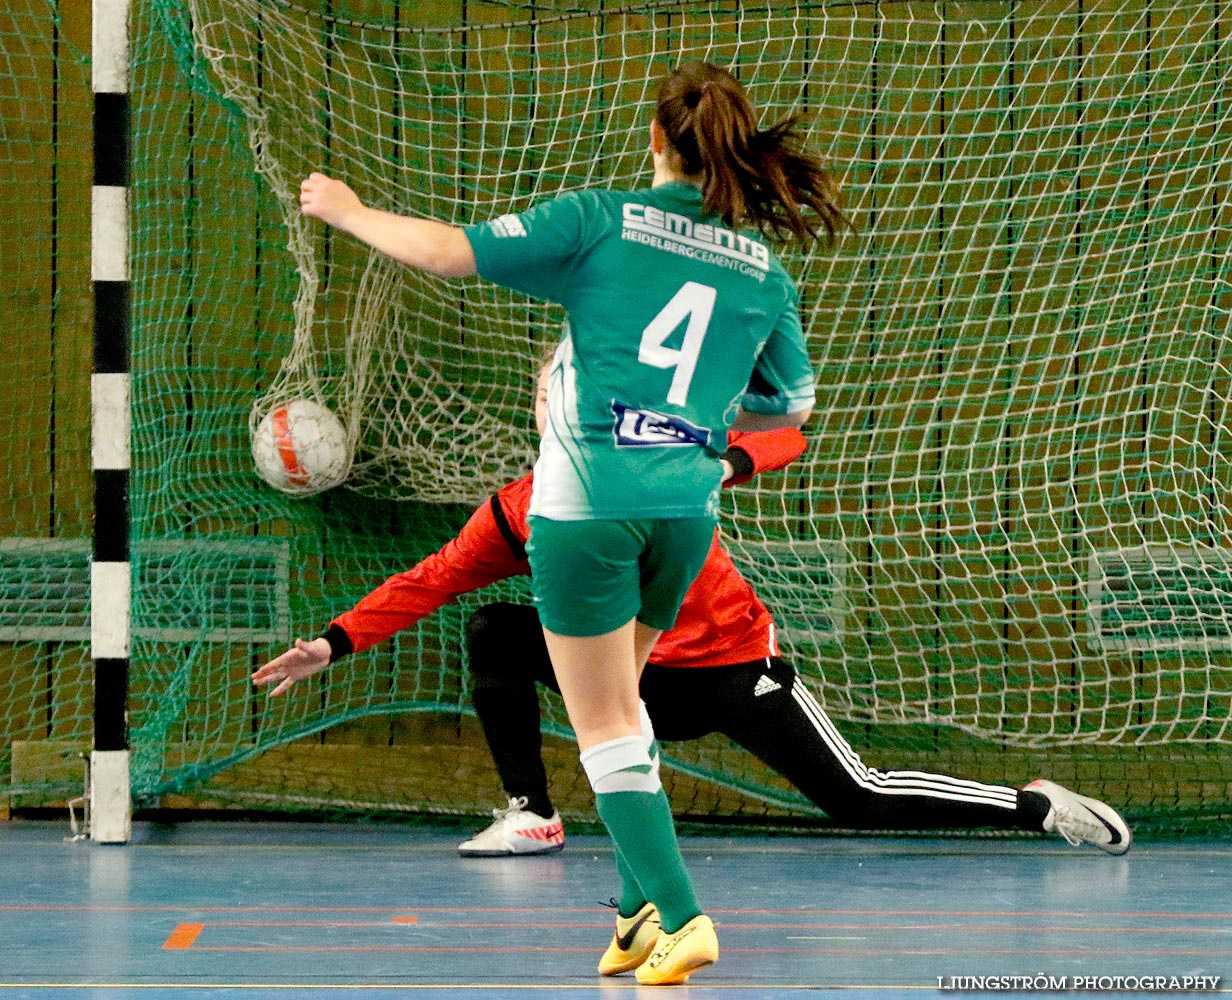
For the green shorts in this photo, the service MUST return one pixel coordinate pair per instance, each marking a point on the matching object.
(591, 577)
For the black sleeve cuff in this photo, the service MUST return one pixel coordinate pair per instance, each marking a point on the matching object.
(741, 463)
(339, 642)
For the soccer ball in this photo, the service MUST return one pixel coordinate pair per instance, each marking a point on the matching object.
(301, 447)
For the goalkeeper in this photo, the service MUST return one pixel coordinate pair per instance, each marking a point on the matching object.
(718, 670)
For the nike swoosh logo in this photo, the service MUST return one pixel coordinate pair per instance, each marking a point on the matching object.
(1116, 834)
(625, 941)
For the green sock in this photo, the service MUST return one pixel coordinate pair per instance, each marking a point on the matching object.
(641, 825)
(632, 898)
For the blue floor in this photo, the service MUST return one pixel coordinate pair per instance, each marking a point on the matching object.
(273, 910)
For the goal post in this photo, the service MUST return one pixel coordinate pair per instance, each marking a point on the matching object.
(109, 809)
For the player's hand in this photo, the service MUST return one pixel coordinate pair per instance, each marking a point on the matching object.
(327, 199)
(302, 660)
(728, 470)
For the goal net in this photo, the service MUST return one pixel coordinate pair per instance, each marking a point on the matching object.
(1007, 544)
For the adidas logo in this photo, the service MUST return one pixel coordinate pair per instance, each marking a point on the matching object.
(765, 685)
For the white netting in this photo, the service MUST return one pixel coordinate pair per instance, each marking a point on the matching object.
(1012, 516)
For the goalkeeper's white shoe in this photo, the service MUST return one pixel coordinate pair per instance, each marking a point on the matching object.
(1082, 820)
(516, 830)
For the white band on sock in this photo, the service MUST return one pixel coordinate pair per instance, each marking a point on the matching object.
(647, 725)
(611, 766)
(648, 736)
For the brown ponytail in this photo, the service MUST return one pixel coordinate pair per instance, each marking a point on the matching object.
(749, 176)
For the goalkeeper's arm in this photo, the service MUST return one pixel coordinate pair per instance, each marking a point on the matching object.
(749, 455)
(477, 557)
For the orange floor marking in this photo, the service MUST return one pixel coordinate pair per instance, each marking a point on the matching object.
(183, 937)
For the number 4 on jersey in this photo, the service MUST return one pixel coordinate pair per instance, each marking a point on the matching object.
(694, 302)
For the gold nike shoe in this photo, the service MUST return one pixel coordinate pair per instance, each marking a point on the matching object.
(676, 956)
(633, 941)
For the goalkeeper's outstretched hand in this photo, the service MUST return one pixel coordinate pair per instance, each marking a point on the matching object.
(303, 660)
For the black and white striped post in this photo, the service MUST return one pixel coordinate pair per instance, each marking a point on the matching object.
(110, 804)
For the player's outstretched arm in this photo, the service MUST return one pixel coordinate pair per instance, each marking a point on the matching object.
(302, 660)
(423, 244)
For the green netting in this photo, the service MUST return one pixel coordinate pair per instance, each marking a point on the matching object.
(1006, 550)
(45, 353)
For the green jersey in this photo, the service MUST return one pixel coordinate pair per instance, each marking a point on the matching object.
(671, 317)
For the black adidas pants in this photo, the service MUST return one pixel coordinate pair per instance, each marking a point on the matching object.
(761, 706)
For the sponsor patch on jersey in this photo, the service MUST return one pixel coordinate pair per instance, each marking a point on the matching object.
(507, 225)
(679, 233)
(636, 428)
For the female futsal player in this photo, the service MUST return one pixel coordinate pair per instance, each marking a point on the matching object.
(626, 484)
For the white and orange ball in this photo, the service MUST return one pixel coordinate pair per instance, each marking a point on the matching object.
(300, 446)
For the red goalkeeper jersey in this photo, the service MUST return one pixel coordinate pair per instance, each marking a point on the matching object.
(721, 621)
